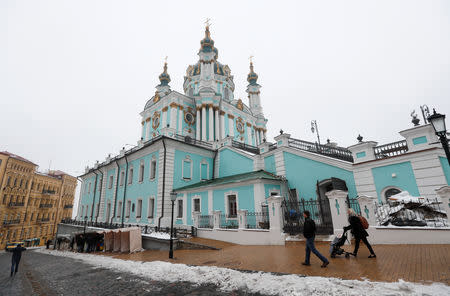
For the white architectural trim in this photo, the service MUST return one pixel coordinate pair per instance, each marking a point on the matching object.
(186, 159)
(207, 169)
(226, 195)
(192, 202)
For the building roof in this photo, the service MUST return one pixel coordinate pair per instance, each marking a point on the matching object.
(12, 155)
(261, 174)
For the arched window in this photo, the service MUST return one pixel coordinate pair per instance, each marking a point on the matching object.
(226, 93)
(388, 192)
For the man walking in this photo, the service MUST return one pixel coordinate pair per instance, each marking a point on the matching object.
(309, 232)
(15, 260)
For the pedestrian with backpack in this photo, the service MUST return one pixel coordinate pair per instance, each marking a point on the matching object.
(309, 232)
(358, 231)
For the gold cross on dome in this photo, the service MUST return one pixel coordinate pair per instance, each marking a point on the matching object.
(207, 22)
(165, 59)
(251, 58)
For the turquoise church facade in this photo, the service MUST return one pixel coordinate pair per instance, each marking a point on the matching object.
(211, 150)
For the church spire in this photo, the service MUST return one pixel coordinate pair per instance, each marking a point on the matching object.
(253, 90)
(207, 44)
(252, 77)
(163, 88)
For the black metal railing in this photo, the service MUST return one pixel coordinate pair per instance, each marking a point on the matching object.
(16, 204)
(412, 212)
(319, 212)
(68, 206)
(192, 141)
(272, 146)
(327, 150)
(353, 203)
(45, 205)
(245, 147)
(391, 149)
(228, 222)
(257, 220)
(11, 222)
(206, 221)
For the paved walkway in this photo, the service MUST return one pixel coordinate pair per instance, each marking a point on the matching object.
(41, 274)
(414, 263)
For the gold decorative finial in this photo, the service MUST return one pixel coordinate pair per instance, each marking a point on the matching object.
(207, 22)
(165, 64)
(251, 59)
(165, 59)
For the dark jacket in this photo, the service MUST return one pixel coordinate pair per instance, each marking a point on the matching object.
(17, 253)
(358, 230)
(309, 228)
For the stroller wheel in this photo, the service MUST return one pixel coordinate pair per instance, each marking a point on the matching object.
(347, 255)
(333, 256)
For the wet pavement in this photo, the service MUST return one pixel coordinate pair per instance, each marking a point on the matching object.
(415, 263)
(41, 274)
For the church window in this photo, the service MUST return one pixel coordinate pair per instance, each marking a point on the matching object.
(122, 178)
(130, 176)
(187, 168)
(180, 208)
(204, 170)
(151, 207)
(89, 190)
(390, 192)
(141, 172)
(196, 204)
(111, 181)
(139, 208)
(226, 93)
(153, 168)
(119, 210)
(9, 181)
(232, 206)
(128, 209)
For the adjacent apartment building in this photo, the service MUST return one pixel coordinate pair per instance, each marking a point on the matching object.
(32, 203)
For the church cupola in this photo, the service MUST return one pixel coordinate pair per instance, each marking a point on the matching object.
(253, 92)
(207, 44)
(163, 88)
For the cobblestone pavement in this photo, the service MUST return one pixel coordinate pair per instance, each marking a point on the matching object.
(41, 274)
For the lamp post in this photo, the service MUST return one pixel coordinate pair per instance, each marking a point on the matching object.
(315, 129)
(438, 122)
(173, 197)
(85, 221)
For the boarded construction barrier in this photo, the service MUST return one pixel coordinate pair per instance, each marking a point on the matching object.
(117, 240)
(109, 241)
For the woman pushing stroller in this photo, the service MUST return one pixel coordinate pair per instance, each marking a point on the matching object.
(359, 233)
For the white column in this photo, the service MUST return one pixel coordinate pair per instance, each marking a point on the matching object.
(216, 123)
(147, 132)
(249, 135)
(222, 125)
(173, 117)
(264, 134)
(275, 212)
(231, 127)
(216, 215)
(367, 206)
(198, 122)
(257, 137)
(204, 123)
(242, 218)
(260, 136)
(180, 120)
(338, 207)
(211, 123)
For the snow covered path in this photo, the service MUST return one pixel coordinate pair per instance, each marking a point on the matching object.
(265, 283)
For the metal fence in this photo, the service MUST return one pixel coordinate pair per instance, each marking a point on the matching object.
(228, 222)
(353, 203)
(206, 221)
(331, 151)
(319, 210)
(391, 149)
(414, 212)
(246, 147)
(257, 220)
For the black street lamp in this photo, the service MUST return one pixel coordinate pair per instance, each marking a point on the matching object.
(85, 221)
(438, 122)
(173, 197)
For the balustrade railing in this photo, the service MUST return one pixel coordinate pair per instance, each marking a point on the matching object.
(327, 150)
(353, 203)
(192, 141)
(228, 221)
(206, 221)
(257, 220)
(391, 149)
(245, 147)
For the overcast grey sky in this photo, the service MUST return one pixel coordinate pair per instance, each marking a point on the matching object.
(74, 75)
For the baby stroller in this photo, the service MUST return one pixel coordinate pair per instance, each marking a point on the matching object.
(336, 244)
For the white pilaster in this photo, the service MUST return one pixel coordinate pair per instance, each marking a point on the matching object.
(249, 135)
(242, 218)
(204, 123)
(231, 127)
(180, 121)
(275, 212)
(338, 209)
(198, 123)
(173, 117)
(210, 202)
(257, 137)
(216, 124)
(222, 125)
(211, 123)
(444, 194)
(367, 206)
(164, 117)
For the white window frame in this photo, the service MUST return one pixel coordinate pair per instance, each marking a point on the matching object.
(119, 209)
(139, 208)
(141, 171)
(128, 209)
(194, 198)
(227, 210)
(130, 175)
(186, 159)
(122, 177)
(180, 215)
(151, 214)
(111, 181)
(207, 170)
(153, 163)
(385, 189)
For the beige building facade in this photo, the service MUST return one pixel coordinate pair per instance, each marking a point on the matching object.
(32, 203)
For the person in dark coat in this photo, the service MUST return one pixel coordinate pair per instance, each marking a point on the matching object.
(359, 233)
(48, 243)
(15, 260)
(309, 232)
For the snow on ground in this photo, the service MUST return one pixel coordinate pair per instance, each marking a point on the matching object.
(160, 235)
(262, 282)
